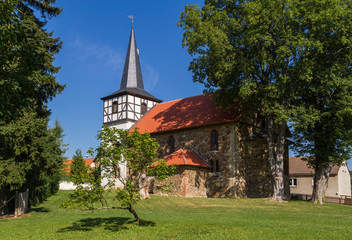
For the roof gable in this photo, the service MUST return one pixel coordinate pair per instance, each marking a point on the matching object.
(186, 157)
(67, 163)
(299, 167)
(183, 113)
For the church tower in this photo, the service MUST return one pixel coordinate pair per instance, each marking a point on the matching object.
(127, 105)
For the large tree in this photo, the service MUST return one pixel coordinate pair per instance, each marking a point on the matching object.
(244, 53)
(265, 54)
(326, 138)
(27, 80)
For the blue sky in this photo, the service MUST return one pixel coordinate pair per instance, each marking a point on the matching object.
(95, 36)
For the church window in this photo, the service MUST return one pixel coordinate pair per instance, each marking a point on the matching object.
(214, 140)
(114, 107)
(171, 144)
(143, 108)
(215, 166)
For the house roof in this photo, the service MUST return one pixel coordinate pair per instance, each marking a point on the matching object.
(132, 80)
(298, 167)
(183, 113)
(67, 163)
(186, 157)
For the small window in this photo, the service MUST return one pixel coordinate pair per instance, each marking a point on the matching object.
(143, 108)
(214, 140)
(114, 107)
(215, 166)
(293, 182)
(171, 144)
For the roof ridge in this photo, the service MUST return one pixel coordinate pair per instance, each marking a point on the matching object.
(183, 156)
(200, 156)
(182, 99)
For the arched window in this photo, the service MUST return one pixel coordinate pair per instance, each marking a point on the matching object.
(171, 144)
(114, 107)
(143, 108)
(214, 140)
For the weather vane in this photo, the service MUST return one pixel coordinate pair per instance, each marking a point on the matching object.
(131, 17)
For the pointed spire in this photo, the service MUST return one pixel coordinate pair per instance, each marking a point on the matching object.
(132, 81)
(132, 74)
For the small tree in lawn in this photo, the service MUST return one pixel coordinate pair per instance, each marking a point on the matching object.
(79, 170)
(120, 147)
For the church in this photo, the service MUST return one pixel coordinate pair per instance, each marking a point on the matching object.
(217, 153)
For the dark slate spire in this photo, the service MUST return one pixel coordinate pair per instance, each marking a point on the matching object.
(132, 74)
(132, 81)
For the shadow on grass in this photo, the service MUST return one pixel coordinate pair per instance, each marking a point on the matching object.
(39, 209)
(113, 224)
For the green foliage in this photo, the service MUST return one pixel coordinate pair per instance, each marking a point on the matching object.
(324, 130)
(120, 148)
(79, 172)
(30, 152)
(161, 170)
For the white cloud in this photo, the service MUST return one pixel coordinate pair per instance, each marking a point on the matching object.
(150, 77)
(98, 58)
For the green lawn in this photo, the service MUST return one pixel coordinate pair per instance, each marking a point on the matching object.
(185, 218)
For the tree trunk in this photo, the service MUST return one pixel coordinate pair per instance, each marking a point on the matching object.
(276, 158)
(280, 149)
(144, 182)
(134, 213)
(3, 198)
(321, 178)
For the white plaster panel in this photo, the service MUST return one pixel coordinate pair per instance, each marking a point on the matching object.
(150, 104)
(137, 109)
(130, 99)
(138, 100)
(114, 117)
(130, 115)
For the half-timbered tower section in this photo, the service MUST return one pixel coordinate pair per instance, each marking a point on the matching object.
(127, 105)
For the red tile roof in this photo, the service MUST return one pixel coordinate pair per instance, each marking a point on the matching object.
(298, 167)
(67, 163)
(186, 157)
(183, 113)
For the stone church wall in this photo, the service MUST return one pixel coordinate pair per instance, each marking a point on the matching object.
(187, 181)
(244, 167)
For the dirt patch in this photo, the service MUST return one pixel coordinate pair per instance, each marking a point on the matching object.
(13, 216)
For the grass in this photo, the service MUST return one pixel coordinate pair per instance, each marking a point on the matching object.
(185, 218)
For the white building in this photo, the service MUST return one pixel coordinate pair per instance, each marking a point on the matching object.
(301, 179)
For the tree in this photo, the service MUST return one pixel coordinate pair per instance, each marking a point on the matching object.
(244, 53)
(266, 54)
(27, 84)
(120, 147)
(326, 137)
(78, 168)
